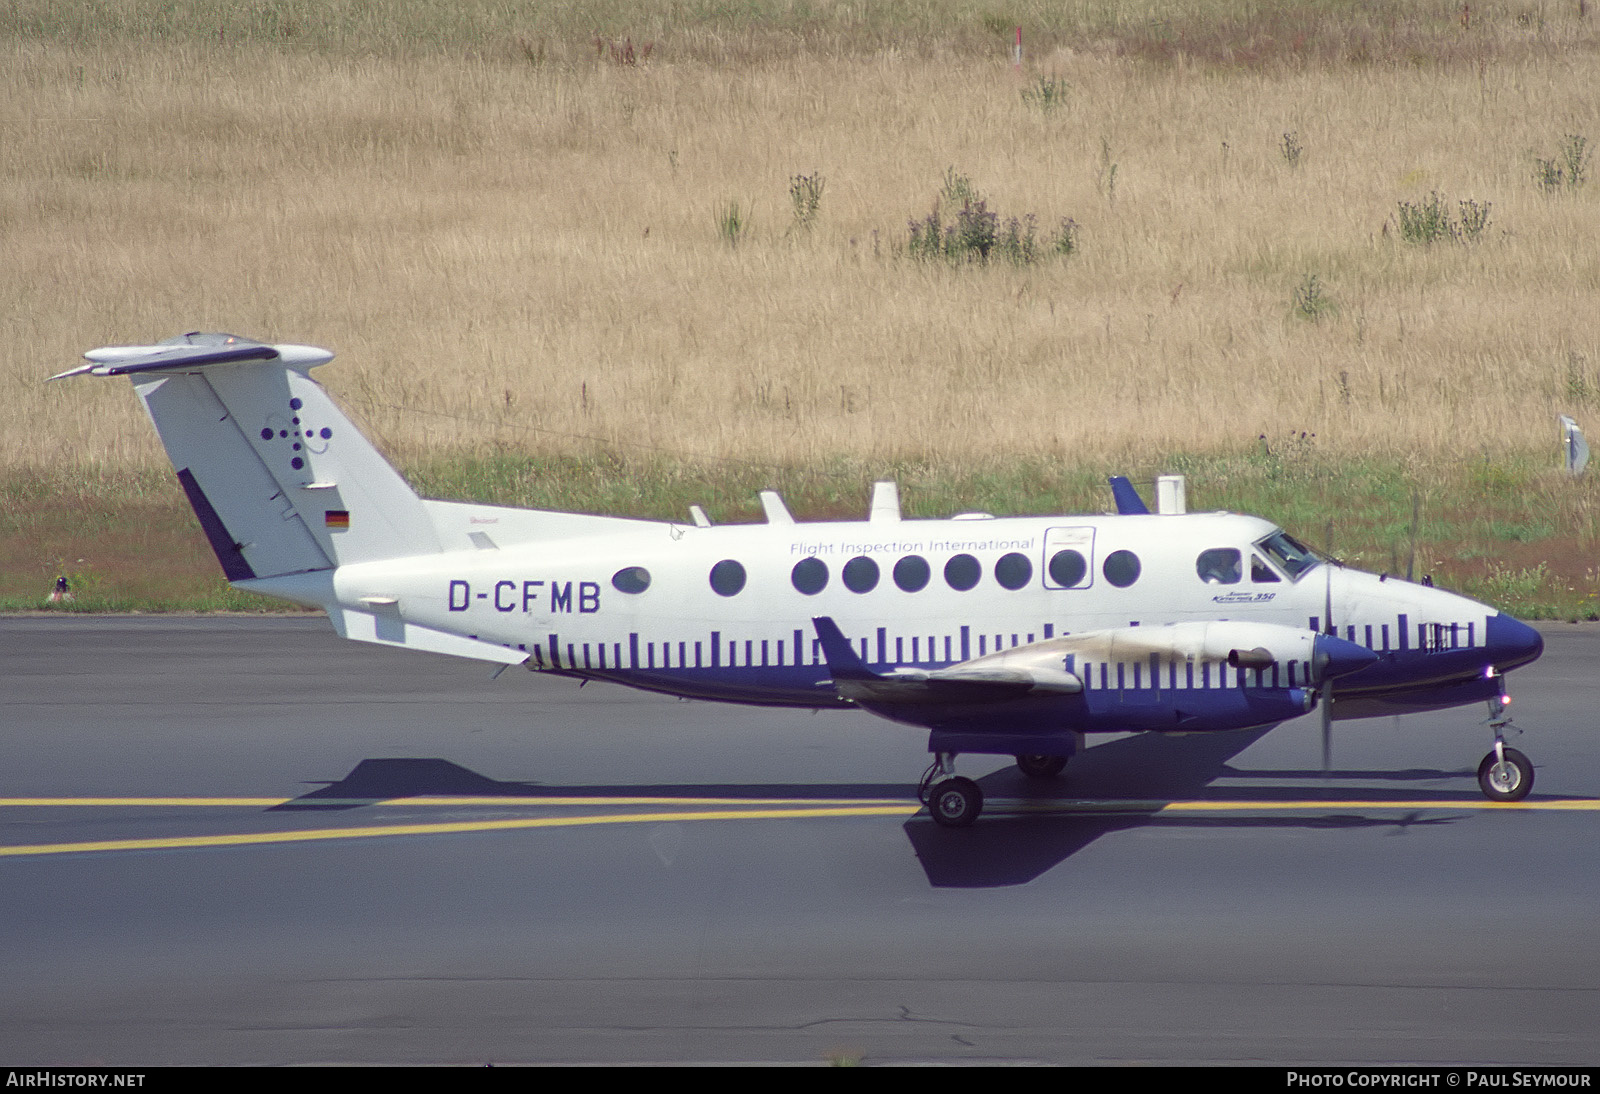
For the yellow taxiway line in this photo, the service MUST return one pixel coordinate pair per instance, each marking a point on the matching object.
(1051, 805)
(446, 828)
(1558, 804)
(483, 799)
(767, 809)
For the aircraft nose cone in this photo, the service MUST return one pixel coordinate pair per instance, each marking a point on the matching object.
(1512, 642)
(1339, 657)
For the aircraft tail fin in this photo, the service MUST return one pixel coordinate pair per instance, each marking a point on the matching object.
(279, 478)
(1129, 503)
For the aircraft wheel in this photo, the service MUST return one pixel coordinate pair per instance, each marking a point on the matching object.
(955, 803)
(1509, 781)
(1041, 767)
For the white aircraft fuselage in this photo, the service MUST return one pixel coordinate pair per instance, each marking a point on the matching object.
(557, 603)
(1003, 635)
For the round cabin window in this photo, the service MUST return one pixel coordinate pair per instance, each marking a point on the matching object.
(1013, 571)
(860, 574)
(727, 578)
(911, 573)
(631, 579)
(1121, 568)
(810, 576)
(962, 572)
(1068, 568)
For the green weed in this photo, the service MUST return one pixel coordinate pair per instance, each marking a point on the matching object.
(1291, 149)
(1105, 175)
(1493, 478)
(1523, 591)
(1580, 386)
(1000, 22)
(1426, 221)
(1521, 531)
(805, 195)
(977, 234)
(1065, 241)
(732, 222)
(1568, 169)
(1575, 153)
(1474, 218)
(1312, 302)
(1548, 174)
(1046, 92)
(957, 188)
(1429, 221)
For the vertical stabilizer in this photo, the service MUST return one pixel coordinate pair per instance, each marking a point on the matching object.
(279, 478)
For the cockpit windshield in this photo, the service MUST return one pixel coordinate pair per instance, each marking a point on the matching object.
(1294, 557)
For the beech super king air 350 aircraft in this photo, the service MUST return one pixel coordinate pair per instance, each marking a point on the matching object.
(1014, 636)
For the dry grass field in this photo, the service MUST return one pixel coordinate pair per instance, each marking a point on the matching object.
(526, 247)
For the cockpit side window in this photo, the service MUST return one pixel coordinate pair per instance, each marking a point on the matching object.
(1260, 572)
(1294, 557)
(1219, 566)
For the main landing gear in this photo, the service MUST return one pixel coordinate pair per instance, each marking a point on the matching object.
(955, 802)
(1505, 775)
(952, 800)
(1041, 767)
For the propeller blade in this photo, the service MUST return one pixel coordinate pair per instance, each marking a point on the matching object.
(1327, 599)
(1325, 702)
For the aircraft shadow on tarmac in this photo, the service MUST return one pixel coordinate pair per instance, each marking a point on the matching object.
(1142, 770)
(372, 781)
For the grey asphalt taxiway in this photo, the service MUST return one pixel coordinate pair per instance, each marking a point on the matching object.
(241, 840)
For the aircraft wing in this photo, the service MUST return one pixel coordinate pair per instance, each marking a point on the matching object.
(969, 682)
(1216, 655)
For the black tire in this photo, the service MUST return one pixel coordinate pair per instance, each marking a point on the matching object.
(955, 803)
(1505, 782)
(1040, 766)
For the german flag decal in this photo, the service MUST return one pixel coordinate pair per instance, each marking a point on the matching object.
(337, 520)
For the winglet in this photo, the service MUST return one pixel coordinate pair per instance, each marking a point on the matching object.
(1129, 503)
(843, 661)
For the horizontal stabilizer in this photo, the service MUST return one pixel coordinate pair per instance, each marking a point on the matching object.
(385, 628)
(192, 351)
(184, 357)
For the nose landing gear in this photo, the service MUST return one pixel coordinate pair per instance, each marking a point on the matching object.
(1505, 775)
